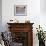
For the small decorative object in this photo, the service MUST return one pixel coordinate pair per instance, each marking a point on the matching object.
(27, 21)
(41, 36)
(13, 21)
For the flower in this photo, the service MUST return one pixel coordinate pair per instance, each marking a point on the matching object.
(40, 33)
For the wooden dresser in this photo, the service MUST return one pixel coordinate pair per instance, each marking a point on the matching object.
(22, 33)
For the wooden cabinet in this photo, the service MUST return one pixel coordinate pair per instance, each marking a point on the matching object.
(22, 33)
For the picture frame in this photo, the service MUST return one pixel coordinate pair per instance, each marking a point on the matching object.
(20, 10)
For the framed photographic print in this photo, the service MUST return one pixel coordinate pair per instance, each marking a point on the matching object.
(20, 10)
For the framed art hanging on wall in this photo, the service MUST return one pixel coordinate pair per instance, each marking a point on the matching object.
(20, 10)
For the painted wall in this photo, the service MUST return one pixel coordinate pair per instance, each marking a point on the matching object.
(0, 15)
(43, 14)
(34, 14)
(43, 6)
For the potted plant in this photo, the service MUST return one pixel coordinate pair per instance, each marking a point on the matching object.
(41, 36)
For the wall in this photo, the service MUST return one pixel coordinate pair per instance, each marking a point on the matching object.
(33, 10)
(43, 6)
(33, 14)
(0, 15)
(43, 14)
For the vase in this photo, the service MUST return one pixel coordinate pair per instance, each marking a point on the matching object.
(41, 43)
